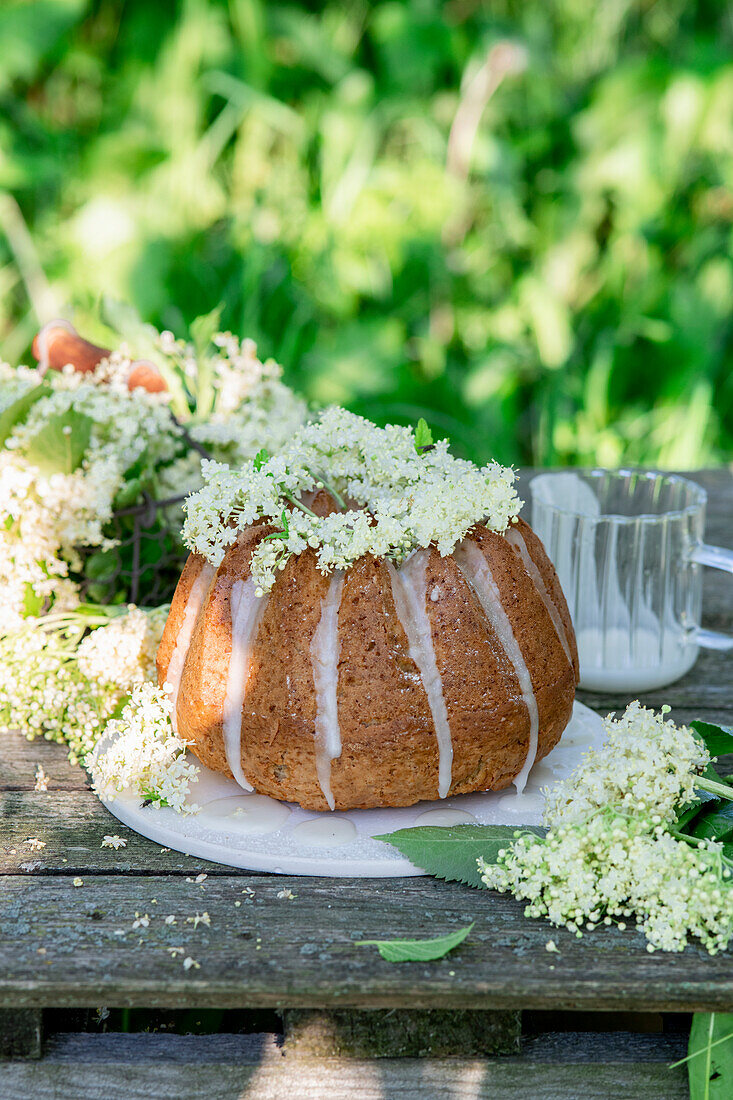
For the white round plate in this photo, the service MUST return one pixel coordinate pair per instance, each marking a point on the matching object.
(258, 833)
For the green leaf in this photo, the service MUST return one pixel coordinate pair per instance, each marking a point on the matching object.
(203, 329)
(423, 436)
(450, 852)
(101, 565)
(710, 1056)
(129, 492)
(260, 459)
(716, 822)
(396, 951)
(684, 817)
(32, 602)
(60, 445)
(16, 411)
(718, 739)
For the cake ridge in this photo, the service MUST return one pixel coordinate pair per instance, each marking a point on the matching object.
(324, 651)
(475, 568)
(409, 590)
(247, 610)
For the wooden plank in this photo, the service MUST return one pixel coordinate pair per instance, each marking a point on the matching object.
(135, 1067)
(66, 946)
(72, 825)
(19, 759)
(400, 1033)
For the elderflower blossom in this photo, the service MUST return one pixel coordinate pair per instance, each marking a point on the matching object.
(645, 763)
(617, 866)
(55, 687)
(133, 443)
(399, 499)
(128, 645)
(609, 852)
(140, 752)
(47, 514)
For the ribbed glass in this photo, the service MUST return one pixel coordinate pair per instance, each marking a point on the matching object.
(622, 542)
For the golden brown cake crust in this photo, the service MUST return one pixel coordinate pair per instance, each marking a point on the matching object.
(389, 753)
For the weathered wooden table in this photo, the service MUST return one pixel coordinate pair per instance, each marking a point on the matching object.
(489, 1020)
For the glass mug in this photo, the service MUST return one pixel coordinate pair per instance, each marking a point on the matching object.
(628, 546)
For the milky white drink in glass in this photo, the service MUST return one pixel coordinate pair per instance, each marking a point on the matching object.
(628, 546)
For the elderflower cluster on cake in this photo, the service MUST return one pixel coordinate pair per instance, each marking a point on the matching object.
(140, 752)
(59, 682)
(610, 852)
(396, 496)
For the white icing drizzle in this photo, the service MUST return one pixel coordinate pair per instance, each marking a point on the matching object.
(185, 634)
(43, 362)
(475, 569)
(325, 648)
(409, 590)
(514, 538)
(247, 610)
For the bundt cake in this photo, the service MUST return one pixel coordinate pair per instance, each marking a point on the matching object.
(440, 661)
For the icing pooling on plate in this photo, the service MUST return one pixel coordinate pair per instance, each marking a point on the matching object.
(325, 832)
(325, 648)
(409, 590)
(250, 814)
(247, 611)
(514, 538)
(475, 569)
(185, 634)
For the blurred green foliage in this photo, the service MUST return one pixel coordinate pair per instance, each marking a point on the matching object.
(512, 218)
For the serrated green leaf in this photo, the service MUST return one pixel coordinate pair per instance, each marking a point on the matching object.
(17, 410)
(718, 739)
(61, 444)
(418, 950)
(450, 852)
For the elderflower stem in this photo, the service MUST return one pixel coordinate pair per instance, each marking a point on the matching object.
(721, 789)
(334, 493)
(299, 504)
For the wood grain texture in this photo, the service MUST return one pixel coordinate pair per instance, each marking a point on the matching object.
(226, 1067)
(400, 1033)
(75, 946)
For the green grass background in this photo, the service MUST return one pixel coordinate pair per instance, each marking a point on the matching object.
(513, 218)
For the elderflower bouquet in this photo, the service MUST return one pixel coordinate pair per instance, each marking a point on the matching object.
(63, 676)
(641, 831)
(79, 450)
(395, 491)
(620, 842)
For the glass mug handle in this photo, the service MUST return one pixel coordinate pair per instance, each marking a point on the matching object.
(718, 558)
